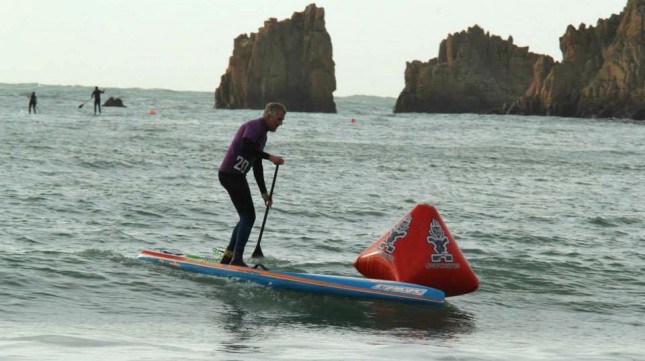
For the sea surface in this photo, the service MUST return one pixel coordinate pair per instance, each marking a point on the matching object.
(550, 213)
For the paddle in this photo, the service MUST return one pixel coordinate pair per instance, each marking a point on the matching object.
(257, 253)
(80, 106)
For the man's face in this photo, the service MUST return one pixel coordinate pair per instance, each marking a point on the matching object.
(276, 120)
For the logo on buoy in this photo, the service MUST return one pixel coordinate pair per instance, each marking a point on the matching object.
(438, 239)
(400, 230)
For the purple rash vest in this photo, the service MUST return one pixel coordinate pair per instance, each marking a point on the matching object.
(239, 161)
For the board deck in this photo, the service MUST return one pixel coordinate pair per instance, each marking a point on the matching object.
(338, 285)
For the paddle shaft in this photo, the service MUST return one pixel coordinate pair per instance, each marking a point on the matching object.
(80, 106)
(257, 253)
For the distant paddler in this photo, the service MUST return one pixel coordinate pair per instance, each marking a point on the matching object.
(32, 102)
(96, 94)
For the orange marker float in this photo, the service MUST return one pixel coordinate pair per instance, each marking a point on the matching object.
(419, 249)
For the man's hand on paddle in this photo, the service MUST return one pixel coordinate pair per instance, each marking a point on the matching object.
(267, 200)
(276, 159)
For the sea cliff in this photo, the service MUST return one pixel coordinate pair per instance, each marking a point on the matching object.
(602, 73)
(475, 72)
(288, 61)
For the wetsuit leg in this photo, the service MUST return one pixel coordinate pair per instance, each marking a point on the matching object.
(238, 189)
(228, 253)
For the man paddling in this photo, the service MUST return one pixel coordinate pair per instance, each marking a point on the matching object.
(32, 102)
(246, 151)
(96, 94)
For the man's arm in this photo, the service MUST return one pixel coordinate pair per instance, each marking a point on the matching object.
(258, 173)
(252, 150)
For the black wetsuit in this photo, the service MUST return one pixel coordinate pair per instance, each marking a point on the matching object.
(246, 151)
(96, 94)
(32, 103)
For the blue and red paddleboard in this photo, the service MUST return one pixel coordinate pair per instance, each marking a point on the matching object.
(338, 285)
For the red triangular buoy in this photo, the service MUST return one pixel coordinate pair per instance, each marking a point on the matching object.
(419, 249)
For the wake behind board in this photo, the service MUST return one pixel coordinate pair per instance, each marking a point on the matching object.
(337, 285)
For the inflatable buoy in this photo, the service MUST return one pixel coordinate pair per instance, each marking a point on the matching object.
(353, 120)
(419, 249)
(152, 111)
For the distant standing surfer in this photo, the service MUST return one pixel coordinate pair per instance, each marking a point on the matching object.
(32, 102)
(246, 151)
(96, 94)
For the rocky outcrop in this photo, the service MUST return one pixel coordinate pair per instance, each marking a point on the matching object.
(602, 73)
(114, 102)
(288, 61)
(474, 73)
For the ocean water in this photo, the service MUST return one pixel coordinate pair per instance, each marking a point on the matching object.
(550, 213)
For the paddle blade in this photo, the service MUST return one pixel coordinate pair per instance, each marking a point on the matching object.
(257, 253)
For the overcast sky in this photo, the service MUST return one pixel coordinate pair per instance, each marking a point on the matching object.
(185, 44)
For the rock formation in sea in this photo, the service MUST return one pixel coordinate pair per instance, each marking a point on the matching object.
(475, 72)
(602, 73)
(288, 61)
(114, 102)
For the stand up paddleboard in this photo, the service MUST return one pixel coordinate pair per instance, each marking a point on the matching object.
(417, 260)
(338, 285)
